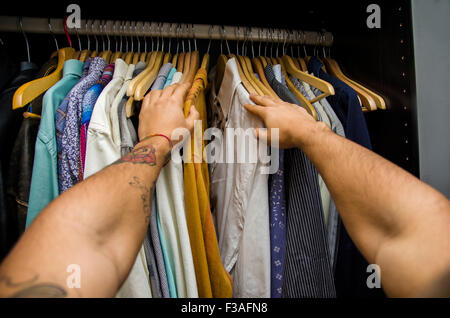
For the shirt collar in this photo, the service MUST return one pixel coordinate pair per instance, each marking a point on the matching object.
(120, 69)
(230, 81)
(72, 67)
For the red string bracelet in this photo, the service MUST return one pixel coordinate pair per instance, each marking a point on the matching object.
(159, 135)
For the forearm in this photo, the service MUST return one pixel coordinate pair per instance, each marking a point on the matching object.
(99, 224)
(380, 204)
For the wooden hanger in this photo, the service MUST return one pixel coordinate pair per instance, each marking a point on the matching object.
(220, 70)
(166, 58)
(143, 57)
(205, 62)
(335, 70)
(174, 60)
(128, 57)
(195, 63)
(296, 63)
(94, 54)
(246, 73)
(84, 55)
(29, 91)
(248, 86)
(260, 71)
(326, 88)
(180, 63)
(186, 67)
(106, 55)
(151, 58)
(306, 104)
(147, 81)
(116, 56)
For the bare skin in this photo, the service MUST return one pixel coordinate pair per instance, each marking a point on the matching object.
(101, 222)
(395, 220)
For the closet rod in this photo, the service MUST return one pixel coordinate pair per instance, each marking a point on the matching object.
(139, 28)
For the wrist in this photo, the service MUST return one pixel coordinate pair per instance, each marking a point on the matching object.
(311, 135)
(161, 146)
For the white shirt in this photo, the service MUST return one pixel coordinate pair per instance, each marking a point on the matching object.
(101, 150)
(172, 217)
(115, 128)
(176, 77)
(239, 197)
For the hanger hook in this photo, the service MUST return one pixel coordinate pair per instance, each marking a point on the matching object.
(87, 35)
(211, 27)
(131, 36)
(78, 37)
(251, 41)
(226, 41)
(26, 39)
(145, 37)
(53, 35)
(66, 31)
(237, 32)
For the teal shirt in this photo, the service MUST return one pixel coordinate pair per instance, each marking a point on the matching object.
(169, 77)
(167, 261)
(44, 181)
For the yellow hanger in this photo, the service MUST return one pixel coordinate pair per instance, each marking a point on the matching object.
(174, 60)
(116, 56)
(248, 86)
(147, 81)
(246, 73)
(151, 57)
(302, 99)
(186, 66)
(256, 62)
(194, 65)
(106, 55)
(84, 55)
(128, 57)
(180, 62)
(220, 70)
(205, 62)
(326, 88)
(29, 91)
(143, 57)
(335, 70)
(136, 57)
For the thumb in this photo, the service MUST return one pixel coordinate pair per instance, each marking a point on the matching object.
(192, 117)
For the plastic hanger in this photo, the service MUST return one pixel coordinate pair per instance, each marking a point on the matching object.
(29, 91)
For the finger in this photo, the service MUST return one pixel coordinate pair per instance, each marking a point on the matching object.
(182, 90)
(168, 91)
(263, 100)
(192, 117)
(256, 109)
(152, 96)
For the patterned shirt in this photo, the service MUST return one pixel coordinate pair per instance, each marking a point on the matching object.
(88, 103)
(69, 155)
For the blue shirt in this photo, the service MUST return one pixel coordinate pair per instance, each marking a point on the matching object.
(350, 266)
(44, 182)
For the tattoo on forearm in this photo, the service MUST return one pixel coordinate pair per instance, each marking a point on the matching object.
(146, 195)
(143, 155)
(30, 289)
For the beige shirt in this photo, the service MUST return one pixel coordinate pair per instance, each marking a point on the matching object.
(101, 149)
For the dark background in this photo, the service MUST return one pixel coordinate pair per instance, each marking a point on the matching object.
(372, 57)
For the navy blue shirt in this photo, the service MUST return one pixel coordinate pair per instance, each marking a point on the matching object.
(350, 266)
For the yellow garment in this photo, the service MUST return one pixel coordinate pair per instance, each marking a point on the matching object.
(212, 278)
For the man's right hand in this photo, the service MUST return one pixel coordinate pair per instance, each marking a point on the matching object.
(295, 124)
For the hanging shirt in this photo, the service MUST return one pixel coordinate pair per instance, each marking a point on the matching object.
(277, 215)
(307, 268)
(44, 183)
(322, 115)
(88, 103)
(162, 76)
(212, 278)
(170, 77)
(239, 195)
(69, 159)
(101, 149)
(350, 265)
(18, 175)
(174, 231)
(176, 77)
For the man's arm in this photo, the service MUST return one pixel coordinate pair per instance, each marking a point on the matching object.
(100, 223)
(396, 221)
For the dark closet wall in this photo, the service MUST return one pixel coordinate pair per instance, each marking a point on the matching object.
(382, 59)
